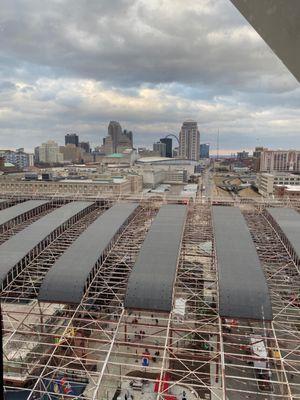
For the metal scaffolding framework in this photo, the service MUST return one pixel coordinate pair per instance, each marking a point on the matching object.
(99, 350)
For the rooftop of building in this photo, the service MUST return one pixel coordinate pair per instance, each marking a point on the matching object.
(280, 174)
(165, 160)
(115, 155)
(290, 188)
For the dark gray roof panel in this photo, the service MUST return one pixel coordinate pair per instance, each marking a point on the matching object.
(65, 281)
(15, 249)
(243, 291)
(15, 211)
(289, 222)
(150, 284)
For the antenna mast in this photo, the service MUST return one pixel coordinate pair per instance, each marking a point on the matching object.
(218, 140)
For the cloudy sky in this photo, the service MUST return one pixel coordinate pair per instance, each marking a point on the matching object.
(70, 65)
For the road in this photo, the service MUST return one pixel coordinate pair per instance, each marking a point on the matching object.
(207, 182)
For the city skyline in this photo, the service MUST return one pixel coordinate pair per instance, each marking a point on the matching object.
(219, 73)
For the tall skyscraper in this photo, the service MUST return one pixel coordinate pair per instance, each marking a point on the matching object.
(49, 153)
(168, 143)
(117, 140)
(280, 160)
(72, 138)
(85, 146)
(115, 133)
(189, 141)
(160, 148)
(129, 135)
(204, 150)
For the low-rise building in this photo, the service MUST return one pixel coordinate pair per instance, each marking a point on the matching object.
(124, 159)
(168, 164)
(144, 152)
(266, 182)
(189, 192)
(103, 186)
(152, 177)
(18, 158)
(176, 176)
(291, 192)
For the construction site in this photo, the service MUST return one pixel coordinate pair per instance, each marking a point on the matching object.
(121, 299)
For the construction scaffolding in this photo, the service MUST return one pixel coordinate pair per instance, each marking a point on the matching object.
(98, 350)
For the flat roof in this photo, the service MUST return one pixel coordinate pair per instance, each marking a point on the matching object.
(166, 160)
(15, 249)
(65, 281)
(243, 290)
(290, 188)
(289, 222)
(278, 174)
(13, 212)
(151, 281)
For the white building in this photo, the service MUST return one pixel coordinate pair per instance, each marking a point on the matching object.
(176, 176)
(167, 164)
(189, 141)
(152, 177)
(267, 182)
(49, 153)
(280, 161)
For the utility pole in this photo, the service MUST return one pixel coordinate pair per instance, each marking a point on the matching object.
(218, 143)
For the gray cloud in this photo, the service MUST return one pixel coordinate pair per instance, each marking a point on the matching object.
(131, 42)
(150, 64)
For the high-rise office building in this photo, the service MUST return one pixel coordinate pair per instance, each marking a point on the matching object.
(160, 148)
(242, 155)
(72, 138)
(279, 160)
(204, 150)
(71, 153)
(189, 141)
(115, 133)
(117, 140)
(168, 143)
(85, 146)
(256, 157)
(48, 153)
(129, 135)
